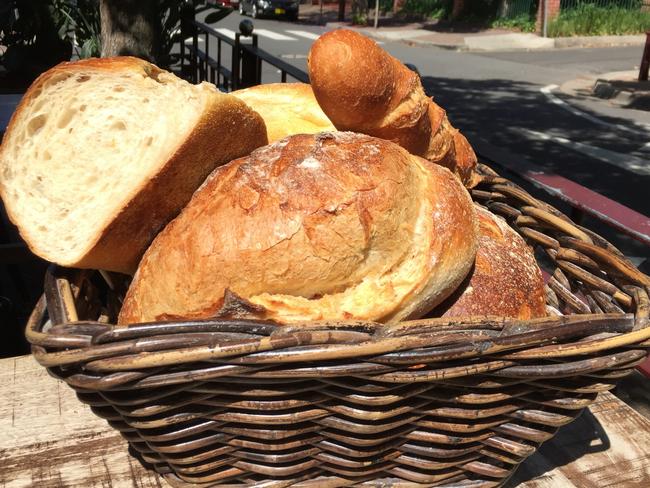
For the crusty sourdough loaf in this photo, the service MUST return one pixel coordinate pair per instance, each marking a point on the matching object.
(505, 280)
(362, 88)
(102, 153)
(314, 227)
(287, 109)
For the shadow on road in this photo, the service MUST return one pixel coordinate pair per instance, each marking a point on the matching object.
(506, 112)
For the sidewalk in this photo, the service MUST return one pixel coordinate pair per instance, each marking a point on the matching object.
(461, 37)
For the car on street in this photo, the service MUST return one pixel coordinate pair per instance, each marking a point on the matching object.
(225, 3)
(258, 8)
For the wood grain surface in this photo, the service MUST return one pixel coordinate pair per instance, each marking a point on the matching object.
(49, 439)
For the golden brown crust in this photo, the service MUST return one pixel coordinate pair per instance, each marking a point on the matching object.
(287, 109)
(336, 73)
(362, 88)
(505, 280)
(214, 140)
(332, 226)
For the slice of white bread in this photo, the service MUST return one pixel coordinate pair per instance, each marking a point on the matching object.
(102, 153)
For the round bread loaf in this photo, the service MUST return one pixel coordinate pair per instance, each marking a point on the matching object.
(287, 109)
(314, 227)
(505, 280)
(362, 88)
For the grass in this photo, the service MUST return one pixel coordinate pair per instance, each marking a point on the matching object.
(431, 9)
(523, 23)
(591, 20)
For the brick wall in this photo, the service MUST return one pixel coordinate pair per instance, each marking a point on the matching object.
(552, 12)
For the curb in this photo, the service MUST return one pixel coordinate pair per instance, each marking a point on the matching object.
(607, 90)
(412, 41)
(557, 43)
(600, 41)
(604, 87)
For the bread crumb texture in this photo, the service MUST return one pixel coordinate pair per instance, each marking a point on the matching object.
(85, 141)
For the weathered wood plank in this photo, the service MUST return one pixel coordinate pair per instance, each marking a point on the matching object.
(608, 445)
(49, 439)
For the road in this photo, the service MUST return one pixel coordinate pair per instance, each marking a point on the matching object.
(511, 100)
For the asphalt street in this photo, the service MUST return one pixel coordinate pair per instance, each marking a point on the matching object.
(511, 100)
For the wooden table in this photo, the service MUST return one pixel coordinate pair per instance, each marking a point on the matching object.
(49, 439)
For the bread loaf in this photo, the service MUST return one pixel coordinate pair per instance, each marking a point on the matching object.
(314, 227)
(102, 153)
(505, 280)
(362, 88)
(287, 109)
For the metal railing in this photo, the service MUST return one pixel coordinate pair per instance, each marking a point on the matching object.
(241, 67)
(605, 4)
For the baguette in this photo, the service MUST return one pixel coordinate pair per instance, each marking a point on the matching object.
(364, 89)
(334, 226)
(102, 153)
(287, 109)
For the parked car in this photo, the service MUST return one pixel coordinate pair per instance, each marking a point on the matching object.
(257, 8)
(224, 3)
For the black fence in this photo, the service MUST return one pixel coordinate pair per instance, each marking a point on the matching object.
(228, 63)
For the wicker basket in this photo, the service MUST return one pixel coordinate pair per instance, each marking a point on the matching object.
(438, 402)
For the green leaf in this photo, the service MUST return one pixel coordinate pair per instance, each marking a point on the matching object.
(213, 17)
(89, 49)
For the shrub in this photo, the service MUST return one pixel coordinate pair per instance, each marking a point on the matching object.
(588, 19)
(524, 23)
(433, 9)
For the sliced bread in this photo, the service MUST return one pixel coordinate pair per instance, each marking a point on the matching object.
(102, 153)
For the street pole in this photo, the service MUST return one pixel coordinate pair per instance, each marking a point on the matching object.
(545, 18)
(376, 13)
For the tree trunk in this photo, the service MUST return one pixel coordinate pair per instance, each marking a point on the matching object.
(457, 8)
(130, 28)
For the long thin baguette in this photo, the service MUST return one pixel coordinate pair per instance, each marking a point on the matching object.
(362, 88)
(102, 153)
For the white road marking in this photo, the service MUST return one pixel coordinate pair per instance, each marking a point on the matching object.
(548, 92)
(630, 163)
(305, 34)
(273, 35)
(226, 32)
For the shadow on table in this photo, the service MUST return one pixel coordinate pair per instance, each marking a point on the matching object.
(21, 284)
(583, 436)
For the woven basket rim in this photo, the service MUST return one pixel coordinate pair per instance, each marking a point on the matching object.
(509, 382)
(577, 250)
